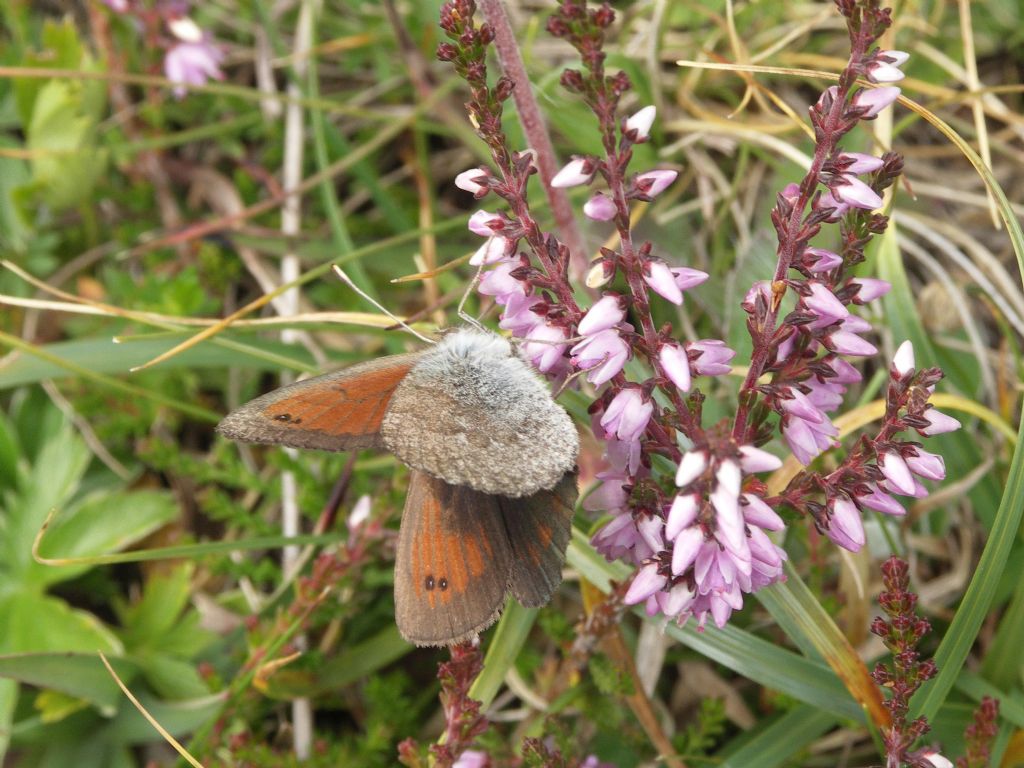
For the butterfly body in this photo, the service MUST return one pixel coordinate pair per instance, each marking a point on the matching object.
(491, 494)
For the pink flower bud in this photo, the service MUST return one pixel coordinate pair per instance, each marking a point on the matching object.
(861, 163)
(930, 466)
(472, 758)
(880, 501)
(602, 355)
(600, 207)
(875, 99)
(681, 514)
(485, 223)
(729, 477)
(855, 192)
(627, 415)
(936, 759)
(646, 583)
(870, 289)
(691, 466)
(360, 514)
(600, 273)
(938, 423)
(676, 365)
(713, 358)
(845, 527)
(849, 343)
(492, 251)
(823, 260)
(685, 549)
(471, 180)
(606, 313)
(903, 360)
(687, 278)
(641, 122)
(756, 512)
(185, 29)
(823, 303)
(653, 183)
(886, 67)
(896, 472)
(575, 172)
(658, 275)
(755, 460)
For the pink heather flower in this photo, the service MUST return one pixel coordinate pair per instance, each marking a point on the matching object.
(618, 539)
(685, 549)
(861, 163)
(759, 514)
(938, 423)
(641, 122)
(118, 6)
(844, 525)
(600, 207)
(492, 251)
(823, 303)
(936, 759)
(681, 515)
(574, 173)
(755, 460)
(544, 346)
(759, 288)
(486, 224)
(185, 29)
(807, 439)
(519, 316)
(627, 415)
(606, 313)
(611, 494)
(676, 365)
(713, 358)
(687, 278)
(855, 192)
(603, 355)
(646, 583)
(886, 67)
(829, 202)
(691, 466)
(650, 528)
(600, 273)
(824, 395)
(930, 466)
(897, 473)
(500, 284)
(845, 373)
(791, 193)
(676, 600)
(849, 343)
(471, 181)
(903, 360)
(870, 289)
(653, 183)
(880, 501)
(797, 403)
(823, 260)
(472, 758)
(192, 64)
(662, 281)
(875, 99)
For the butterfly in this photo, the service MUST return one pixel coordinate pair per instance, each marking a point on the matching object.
(493, 482)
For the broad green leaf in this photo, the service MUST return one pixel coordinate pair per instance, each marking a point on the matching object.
(36, 623)
(52, 481)
(170, 678)
(178, 718)
(104, 522)
(76, 674)
(8, 701)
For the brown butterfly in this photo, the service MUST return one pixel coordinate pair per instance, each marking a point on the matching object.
(493, 483)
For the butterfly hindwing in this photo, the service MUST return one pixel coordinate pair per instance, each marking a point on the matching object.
(335, 412)
(453, 562)
(538, 528)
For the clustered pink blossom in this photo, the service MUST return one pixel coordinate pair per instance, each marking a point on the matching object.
(191, 57)
(705, 542)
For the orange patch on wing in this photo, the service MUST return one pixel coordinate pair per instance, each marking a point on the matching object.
(473, 557)
(350, 406)
(544, 534)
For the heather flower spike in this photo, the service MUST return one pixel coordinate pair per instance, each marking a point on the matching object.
(701, 544)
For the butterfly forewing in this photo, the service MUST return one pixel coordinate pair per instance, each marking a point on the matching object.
(538, 528)
(453, 562)
(334, 412)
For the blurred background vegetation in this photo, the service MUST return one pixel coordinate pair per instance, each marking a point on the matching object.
(131, 218)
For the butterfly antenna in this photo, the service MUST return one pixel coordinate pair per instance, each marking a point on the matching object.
(348, 281)
(461, 311)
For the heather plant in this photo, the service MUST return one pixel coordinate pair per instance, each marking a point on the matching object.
(761, 317)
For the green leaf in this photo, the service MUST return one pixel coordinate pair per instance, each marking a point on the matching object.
(8, 701)
(51, 482)
(77, 674)
(170, 678)
(506, 643)
(775, 744)
(178, 718)
(104, 522)
(35, 623)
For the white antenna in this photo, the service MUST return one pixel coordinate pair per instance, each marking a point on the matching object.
(348, 281)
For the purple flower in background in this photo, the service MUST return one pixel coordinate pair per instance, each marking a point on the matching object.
(192, 64)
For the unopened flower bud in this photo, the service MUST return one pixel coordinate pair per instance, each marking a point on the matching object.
(471, 181)
(185, 29)
(600, 207)
(600, 273)
(576, 172)
(641, 122)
